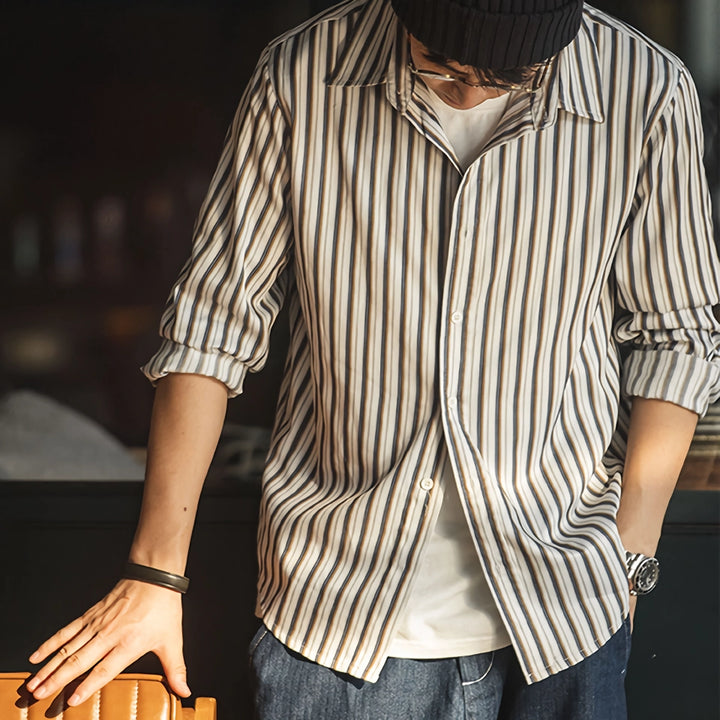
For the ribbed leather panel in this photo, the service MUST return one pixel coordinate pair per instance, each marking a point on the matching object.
(128, 697)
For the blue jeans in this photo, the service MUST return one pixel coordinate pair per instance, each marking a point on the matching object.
(488, 686)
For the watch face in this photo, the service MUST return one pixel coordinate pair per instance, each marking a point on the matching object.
(646, 576)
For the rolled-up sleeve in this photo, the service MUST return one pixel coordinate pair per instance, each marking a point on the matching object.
(667, 270)
(220, 311)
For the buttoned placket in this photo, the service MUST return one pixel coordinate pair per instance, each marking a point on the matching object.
(457, 319)
(525, 114)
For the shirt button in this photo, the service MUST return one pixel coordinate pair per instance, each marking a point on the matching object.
(427, 483)
(452, 402)
(456, 317)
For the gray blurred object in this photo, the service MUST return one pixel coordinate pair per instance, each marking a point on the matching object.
(240, 455)
(40, 439)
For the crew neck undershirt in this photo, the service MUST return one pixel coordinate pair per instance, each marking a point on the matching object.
(470, 129)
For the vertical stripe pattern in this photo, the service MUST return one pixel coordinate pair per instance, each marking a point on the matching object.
(430, 309)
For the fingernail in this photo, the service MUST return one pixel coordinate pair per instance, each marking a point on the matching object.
(41, 693)
(33, 658)
(74, 699)
(31, 684)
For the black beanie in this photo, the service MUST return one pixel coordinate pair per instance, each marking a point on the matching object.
(492, 34)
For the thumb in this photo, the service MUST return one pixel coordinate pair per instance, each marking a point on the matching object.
(173, 664)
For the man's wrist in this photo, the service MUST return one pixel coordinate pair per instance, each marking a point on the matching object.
(155, 576)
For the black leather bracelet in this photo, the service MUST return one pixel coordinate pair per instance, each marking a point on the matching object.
(151, 575)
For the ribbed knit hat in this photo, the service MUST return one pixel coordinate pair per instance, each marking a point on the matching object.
(492, 34)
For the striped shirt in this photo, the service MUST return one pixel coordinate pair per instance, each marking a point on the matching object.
(432, 310)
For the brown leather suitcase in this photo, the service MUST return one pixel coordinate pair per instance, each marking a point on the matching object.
(127, 697)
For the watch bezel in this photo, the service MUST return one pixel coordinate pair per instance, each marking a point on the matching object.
(643, 573)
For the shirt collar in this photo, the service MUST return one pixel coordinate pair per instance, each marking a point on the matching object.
(366, 56)
(579, 86)
(376, 53)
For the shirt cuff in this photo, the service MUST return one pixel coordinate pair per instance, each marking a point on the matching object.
(685, 380)
(175, 358)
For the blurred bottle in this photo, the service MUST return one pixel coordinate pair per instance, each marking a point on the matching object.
(68, 241)
(109, 251)
(26, 247)
(160, 219)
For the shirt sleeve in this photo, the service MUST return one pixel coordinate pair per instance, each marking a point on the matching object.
(221, 309)
(667, 269)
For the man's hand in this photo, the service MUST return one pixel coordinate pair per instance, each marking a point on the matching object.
(633, 605)
(133, 619)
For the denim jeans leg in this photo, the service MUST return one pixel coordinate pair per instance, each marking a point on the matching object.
(594, 689)
(487, 686)
(482, 677)
(290, 687)
(286, 686)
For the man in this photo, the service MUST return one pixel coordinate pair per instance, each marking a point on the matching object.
(467, 206)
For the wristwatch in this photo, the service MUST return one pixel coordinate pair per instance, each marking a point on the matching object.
(642, 572)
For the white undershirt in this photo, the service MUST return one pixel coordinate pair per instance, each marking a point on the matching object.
(451, 612)
(469, 130)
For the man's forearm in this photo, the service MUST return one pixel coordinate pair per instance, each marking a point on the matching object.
(658, 440)
(188, 415)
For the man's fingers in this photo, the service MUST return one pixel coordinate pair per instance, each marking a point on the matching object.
(175, 670)
(69, 663)
(57, 641)
(70, 639)
(106, 608)
(86, 648)
(63, 654)
(108, 668)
